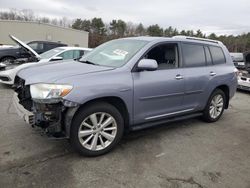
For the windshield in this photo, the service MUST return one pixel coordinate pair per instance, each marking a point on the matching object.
(51, 53)
(115, 53)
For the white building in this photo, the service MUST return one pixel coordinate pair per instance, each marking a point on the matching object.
(28, 31)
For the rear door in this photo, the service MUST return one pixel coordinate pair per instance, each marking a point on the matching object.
(159, 94)
(196, 57)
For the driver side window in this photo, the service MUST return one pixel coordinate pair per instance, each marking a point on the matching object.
(166, 55)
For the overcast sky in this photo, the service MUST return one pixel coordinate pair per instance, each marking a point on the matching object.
(219, 16)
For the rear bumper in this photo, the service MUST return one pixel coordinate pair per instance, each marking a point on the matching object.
(26, 115)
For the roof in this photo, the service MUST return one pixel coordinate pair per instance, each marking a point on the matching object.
(177, 38)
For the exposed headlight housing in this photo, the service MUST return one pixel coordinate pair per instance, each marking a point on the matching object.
(49, 92)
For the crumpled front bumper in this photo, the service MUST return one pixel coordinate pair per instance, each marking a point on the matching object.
(54, 119)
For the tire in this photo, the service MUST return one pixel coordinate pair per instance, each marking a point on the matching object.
(209, 114)
(7, 60)
(110, 133)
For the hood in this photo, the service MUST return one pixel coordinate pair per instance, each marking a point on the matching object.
(25, 46)
(53, 72)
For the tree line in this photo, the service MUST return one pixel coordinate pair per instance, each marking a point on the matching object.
(100, 32)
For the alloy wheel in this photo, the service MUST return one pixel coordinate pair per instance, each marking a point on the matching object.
(216, 106)
(97, 131)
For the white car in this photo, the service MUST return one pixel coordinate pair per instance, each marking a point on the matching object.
(244, 80)
(8, 73)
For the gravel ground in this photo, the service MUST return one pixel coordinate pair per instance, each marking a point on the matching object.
(189, 153)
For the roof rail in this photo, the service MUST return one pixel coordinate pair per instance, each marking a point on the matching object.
(196, 38)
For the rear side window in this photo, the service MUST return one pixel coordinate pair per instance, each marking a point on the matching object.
(217, 55)
(194, 55)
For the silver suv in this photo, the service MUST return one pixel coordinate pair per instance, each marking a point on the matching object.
(127, 84)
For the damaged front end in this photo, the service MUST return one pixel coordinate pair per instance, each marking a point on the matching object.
(54, 118)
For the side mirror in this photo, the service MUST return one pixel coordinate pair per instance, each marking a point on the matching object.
(57, 58)
(147, 64)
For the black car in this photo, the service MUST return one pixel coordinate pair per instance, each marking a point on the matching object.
(8, 55)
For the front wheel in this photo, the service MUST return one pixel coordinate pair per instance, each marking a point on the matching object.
(96, 129)
(215, 106)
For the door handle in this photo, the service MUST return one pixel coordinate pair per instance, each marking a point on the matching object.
(212, 73)
(178, 77)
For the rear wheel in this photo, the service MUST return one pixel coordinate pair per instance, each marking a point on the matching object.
(215, 106)
(96, 129)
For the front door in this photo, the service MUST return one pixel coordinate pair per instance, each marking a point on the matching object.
(159, 94)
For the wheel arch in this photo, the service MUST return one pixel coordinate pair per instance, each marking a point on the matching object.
(117, 102)
(226, 91)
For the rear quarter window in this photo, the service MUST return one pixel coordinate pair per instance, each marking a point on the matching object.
(194, 55)
(208, 56)
(217, 55)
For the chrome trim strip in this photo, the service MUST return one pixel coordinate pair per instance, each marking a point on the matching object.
(168, 114)
(170, 95)
(160, 96)
(193, 92)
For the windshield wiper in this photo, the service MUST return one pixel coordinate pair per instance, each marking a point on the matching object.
(88, 62)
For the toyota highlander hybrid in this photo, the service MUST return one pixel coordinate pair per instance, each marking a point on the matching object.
(127, 84)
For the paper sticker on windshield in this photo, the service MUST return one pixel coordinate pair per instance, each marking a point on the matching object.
(120, 52)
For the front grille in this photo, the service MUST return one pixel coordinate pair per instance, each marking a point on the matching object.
(4, 78)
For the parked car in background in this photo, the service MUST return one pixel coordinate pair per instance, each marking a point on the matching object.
(238, 59)
(247, 61)
(244, 74)
(9, 54)
(8, 73)
(244, 80)
(127, 84)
